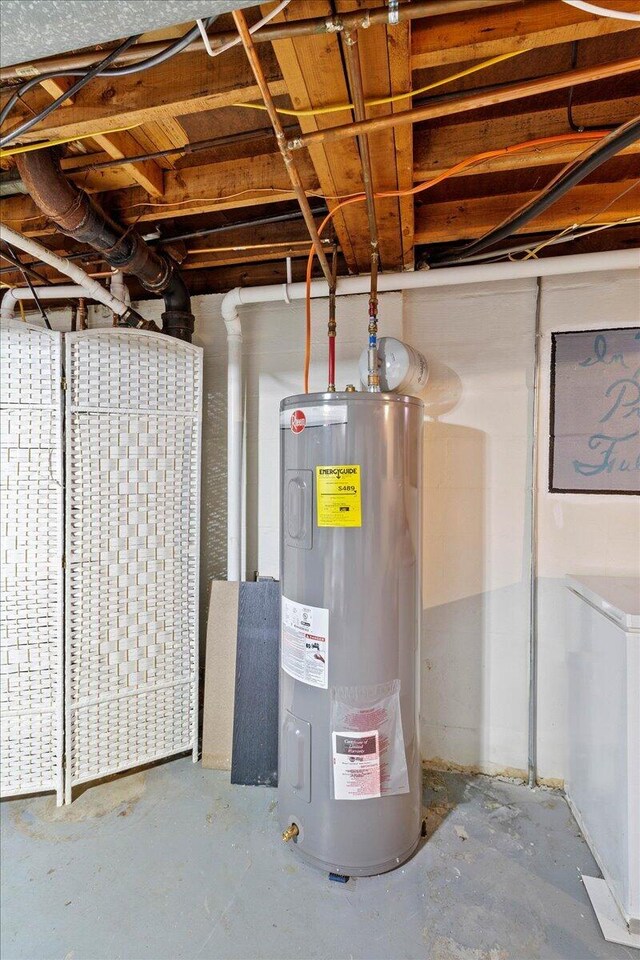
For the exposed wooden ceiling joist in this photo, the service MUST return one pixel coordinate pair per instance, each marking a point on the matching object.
(187, 84)
(489, 33)
(468, 219)
(438, 148)
(313, 72)
(386, 71)
(191, 98)
(193, 190)
(146, 172)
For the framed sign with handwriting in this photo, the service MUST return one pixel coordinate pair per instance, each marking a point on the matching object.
(595, 412)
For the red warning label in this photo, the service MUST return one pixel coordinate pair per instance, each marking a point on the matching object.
(298, 421)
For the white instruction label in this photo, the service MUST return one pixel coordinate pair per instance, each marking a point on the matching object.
(305, 642)
(356, 765)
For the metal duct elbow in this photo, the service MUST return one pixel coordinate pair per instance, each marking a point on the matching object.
(78, 216)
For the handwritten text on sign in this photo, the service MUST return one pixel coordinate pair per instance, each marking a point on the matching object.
(595, 413)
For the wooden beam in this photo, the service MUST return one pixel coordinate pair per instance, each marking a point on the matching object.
(399, 44)
(189, 190)
(467, 219)
(222, 258)
(385, 65)
(270, 241)
(117, 145)
(190, 83)
(440, 147)
(56, 86)
(472, 101)
(488, 33)
(79, 169)
(312, 69)
(162, 135)
(145, 172)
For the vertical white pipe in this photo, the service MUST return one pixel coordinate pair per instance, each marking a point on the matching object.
(235, 421)
(532, 756)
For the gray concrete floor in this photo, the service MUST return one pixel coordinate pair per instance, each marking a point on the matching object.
(175, 863)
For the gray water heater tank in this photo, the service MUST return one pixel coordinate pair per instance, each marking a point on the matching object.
(349, 790)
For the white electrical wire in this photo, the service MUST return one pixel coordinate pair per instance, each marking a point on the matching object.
(215, 51)
(603, 11)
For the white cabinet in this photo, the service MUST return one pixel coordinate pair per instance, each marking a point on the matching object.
(603, 784)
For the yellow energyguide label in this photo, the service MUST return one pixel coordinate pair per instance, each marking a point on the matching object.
(338, 495)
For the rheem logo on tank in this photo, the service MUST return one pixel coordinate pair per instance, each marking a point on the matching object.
(298, 421)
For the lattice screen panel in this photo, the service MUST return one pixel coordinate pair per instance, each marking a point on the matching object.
(31, 553)
(133, 467)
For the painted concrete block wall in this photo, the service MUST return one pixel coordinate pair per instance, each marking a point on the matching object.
(477, 537)
(477, 534)
(577, 533)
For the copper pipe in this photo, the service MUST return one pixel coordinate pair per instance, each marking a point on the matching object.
(254, 62)
(354, 70)
(285, 245)
(279, 31)
(332, 325)
(83, 313)
(474, 101)
(373, 377)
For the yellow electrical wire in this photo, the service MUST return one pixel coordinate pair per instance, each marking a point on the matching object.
(337, 108)
(44, 144)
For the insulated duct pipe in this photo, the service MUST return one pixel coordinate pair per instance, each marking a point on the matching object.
(79, 217)
(480, 273)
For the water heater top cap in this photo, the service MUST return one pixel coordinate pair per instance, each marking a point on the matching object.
(340, 396)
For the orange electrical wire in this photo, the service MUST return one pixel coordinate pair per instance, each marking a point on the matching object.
(452, 171)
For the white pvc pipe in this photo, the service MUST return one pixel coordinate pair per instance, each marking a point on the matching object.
(235, 420)
(94, 290)
(118, 287)
(62, 292)
(442, 277)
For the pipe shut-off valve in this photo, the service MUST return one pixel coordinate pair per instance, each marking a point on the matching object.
(373, 378)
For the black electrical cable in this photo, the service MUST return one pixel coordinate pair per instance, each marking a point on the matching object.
(87, 76)
(12, 258)
(568, 177)
(497, 256)
(574, 126)
(31, 288)
(101, 69)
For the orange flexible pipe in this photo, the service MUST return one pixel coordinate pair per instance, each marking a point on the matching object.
(452, 171)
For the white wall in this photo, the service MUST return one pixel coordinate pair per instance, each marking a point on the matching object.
(577, 533)
(477, 532)
(477, 538)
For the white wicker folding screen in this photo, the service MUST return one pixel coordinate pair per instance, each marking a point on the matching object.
(31, 556)
(132, 529)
